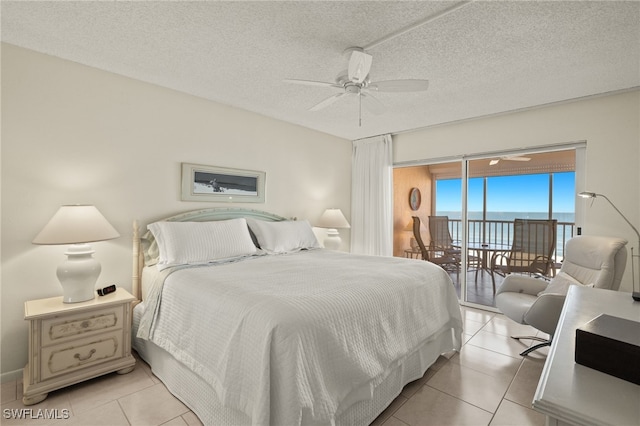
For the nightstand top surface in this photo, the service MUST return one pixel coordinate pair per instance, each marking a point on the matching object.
(45, 307)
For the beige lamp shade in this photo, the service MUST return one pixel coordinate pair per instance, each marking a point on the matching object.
(76, 224)
(333, 218)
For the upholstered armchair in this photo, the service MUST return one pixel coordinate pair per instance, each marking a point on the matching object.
(588, 260)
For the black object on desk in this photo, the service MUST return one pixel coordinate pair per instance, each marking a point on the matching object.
(611, 345)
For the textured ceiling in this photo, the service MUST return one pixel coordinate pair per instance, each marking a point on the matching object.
(484, 58)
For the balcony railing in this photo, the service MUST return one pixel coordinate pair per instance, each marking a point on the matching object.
(501, 232)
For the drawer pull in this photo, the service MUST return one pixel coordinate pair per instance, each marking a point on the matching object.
(81, 358)
(61, 359)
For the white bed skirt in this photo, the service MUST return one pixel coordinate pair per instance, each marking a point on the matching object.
(203, 401)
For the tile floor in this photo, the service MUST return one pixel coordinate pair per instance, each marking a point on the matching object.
(487, 383)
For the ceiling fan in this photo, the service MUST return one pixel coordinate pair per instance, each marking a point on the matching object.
(508, 158)
(355, 81)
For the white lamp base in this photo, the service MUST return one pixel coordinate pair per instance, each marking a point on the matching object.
(333, 240)
(78, 274)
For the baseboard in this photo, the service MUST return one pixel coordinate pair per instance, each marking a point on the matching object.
(11, 375)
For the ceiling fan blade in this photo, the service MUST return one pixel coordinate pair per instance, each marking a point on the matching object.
(372, 103)
(359, 66)
(508, 158)
(325, 103)
(311, 83)
(399, 85)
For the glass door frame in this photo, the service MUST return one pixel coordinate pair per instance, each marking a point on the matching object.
(580, 179)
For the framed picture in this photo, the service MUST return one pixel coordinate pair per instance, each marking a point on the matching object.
(209, 183)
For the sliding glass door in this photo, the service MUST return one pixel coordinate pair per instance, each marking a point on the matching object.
(480, 200)
(520, 212)
(446, 219)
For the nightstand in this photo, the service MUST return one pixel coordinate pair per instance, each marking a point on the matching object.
(73, 342)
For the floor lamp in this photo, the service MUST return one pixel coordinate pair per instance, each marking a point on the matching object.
(635, 294)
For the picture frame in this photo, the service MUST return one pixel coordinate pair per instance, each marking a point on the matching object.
(221, 184)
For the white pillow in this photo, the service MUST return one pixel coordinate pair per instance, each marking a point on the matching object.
(193, 243)
(560, 284)
(285, 236)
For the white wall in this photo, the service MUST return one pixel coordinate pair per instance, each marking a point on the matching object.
(74, 134)
(610, 125)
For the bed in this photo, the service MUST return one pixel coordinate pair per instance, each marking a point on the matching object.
(247, 320)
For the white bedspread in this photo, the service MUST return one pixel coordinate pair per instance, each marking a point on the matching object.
(296, 339)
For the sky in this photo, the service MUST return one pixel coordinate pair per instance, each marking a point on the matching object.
(523, 193)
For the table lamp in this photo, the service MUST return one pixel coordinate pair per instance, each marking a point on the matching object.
(77, 225)
(635, 294)
(332, 219)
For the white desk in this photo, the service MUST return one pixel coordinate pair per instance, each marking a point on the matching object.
(570, 393)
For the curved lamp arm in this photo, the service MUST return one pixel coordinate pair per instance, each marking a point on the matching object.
(594, 195)
(586, 194)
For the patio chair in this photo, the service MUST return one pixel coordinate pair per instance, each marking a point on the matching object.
(534, 242)
(441, 241)
(448, 261)
(589, 260)
(441, 236)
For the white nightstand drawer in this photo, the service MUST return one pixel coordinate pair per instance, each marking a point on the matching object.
(65, 327)
(64, 358)
(73, 342)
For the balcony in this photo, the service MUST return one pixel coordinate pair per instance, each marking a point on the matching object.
(501, 232)
(494, 190)
(497, 232)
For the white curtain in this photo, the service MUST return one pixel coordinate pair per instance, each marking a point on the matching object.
(372, 197)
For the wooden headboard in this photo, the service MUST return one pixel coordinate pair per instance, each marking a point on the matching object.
(204, 215)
